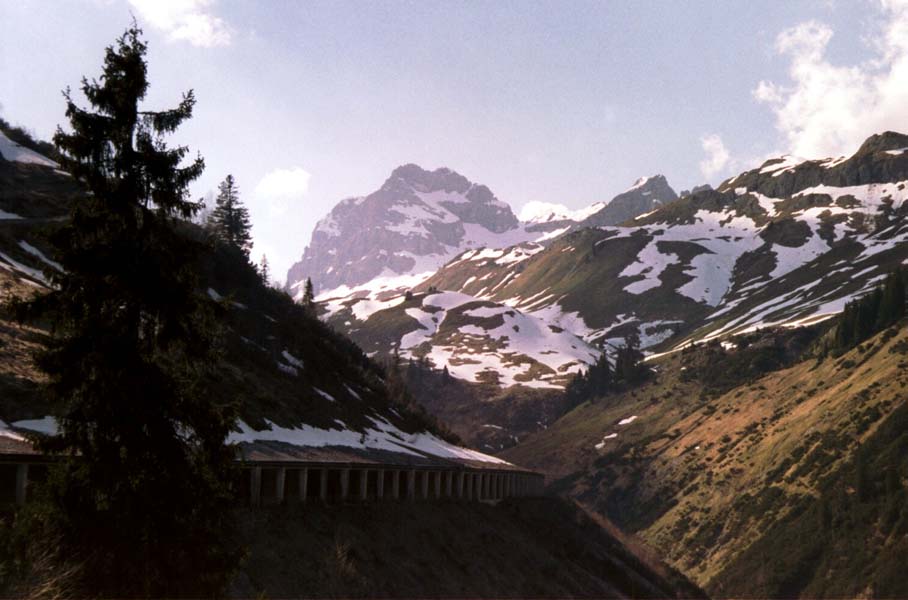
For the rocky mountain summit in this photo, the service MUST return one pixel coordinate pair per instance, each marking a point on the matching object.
(413, 224)
(419, 220)
(647, 194)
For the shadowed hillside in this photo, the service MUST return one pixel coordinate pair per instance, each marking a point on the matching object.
(543, 548)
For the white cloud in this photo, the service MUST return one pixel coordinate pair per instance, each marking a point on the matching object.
(828, 109)
(185, 20)
(717, 156)
(280, 188)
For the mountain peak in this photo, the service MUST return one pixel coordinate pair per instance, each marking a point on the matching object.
(646, 194)
(416, 221)
(883, 142)
(650, 181)
(422, 180)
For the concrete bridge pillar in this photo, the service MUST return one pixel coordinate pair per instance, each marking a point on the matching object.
(380, 484)
(437, 477)
(507, 485)
(449, 484)
(411, 484)
(345, 483)
(363, 485)
(425, 485)
(395, 484)
(458, 477)
(255, 485)
(468, 480)
(21, 484)
(279, 484)
(323, 485)
(303, 483)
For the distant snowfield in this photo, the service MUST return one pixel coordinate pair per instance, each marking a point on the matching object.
(546, 212)
(12, 151)
(510, 350)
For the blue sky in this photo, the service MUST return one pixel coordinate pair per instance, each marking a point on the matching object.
(566, 102)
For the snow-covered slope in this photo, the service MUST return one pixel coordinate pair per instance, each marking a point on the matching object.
(11, 151)
(477, 340)
(784, 244)
(371, 251)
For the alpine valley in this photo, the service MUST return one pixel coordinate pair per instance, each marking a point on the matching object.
(512, 310)
(298, 386)
(760, 450)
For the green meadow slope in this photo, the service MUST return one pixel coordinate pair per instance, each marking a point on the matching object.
(753, 483)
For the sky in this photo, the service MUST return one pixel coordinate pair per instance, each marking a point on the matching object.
(307, 103)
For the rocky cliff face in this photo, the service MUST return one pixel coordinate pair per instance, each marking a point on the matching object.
(647, 194)
(414, 223)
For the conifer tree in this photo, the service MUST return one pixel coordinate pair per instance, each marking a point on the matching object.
(139, 502)
(229, 220)
(892, 300)
(264, 270)
(309, 296)
(600, 376)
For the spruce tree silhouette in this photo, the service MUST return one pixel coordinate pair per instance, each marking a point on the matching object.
(139, 504)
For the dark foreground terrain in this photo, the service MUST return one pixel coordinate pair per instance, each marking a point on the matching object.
(530, 548)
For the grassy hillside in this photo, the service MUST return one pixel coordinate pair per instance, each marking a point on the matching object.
(265, 335)
(724, 478)
(543, 548)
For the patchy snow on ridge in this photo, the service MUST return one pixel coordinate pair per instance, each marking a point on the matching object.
(783, 164)
(534, 212)
(650, 264)
(722, 238)
(40, 255)
(12, 151)
(14, 265)
(383, 436)
(503, 343)
(46, 425)
(6, 432)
